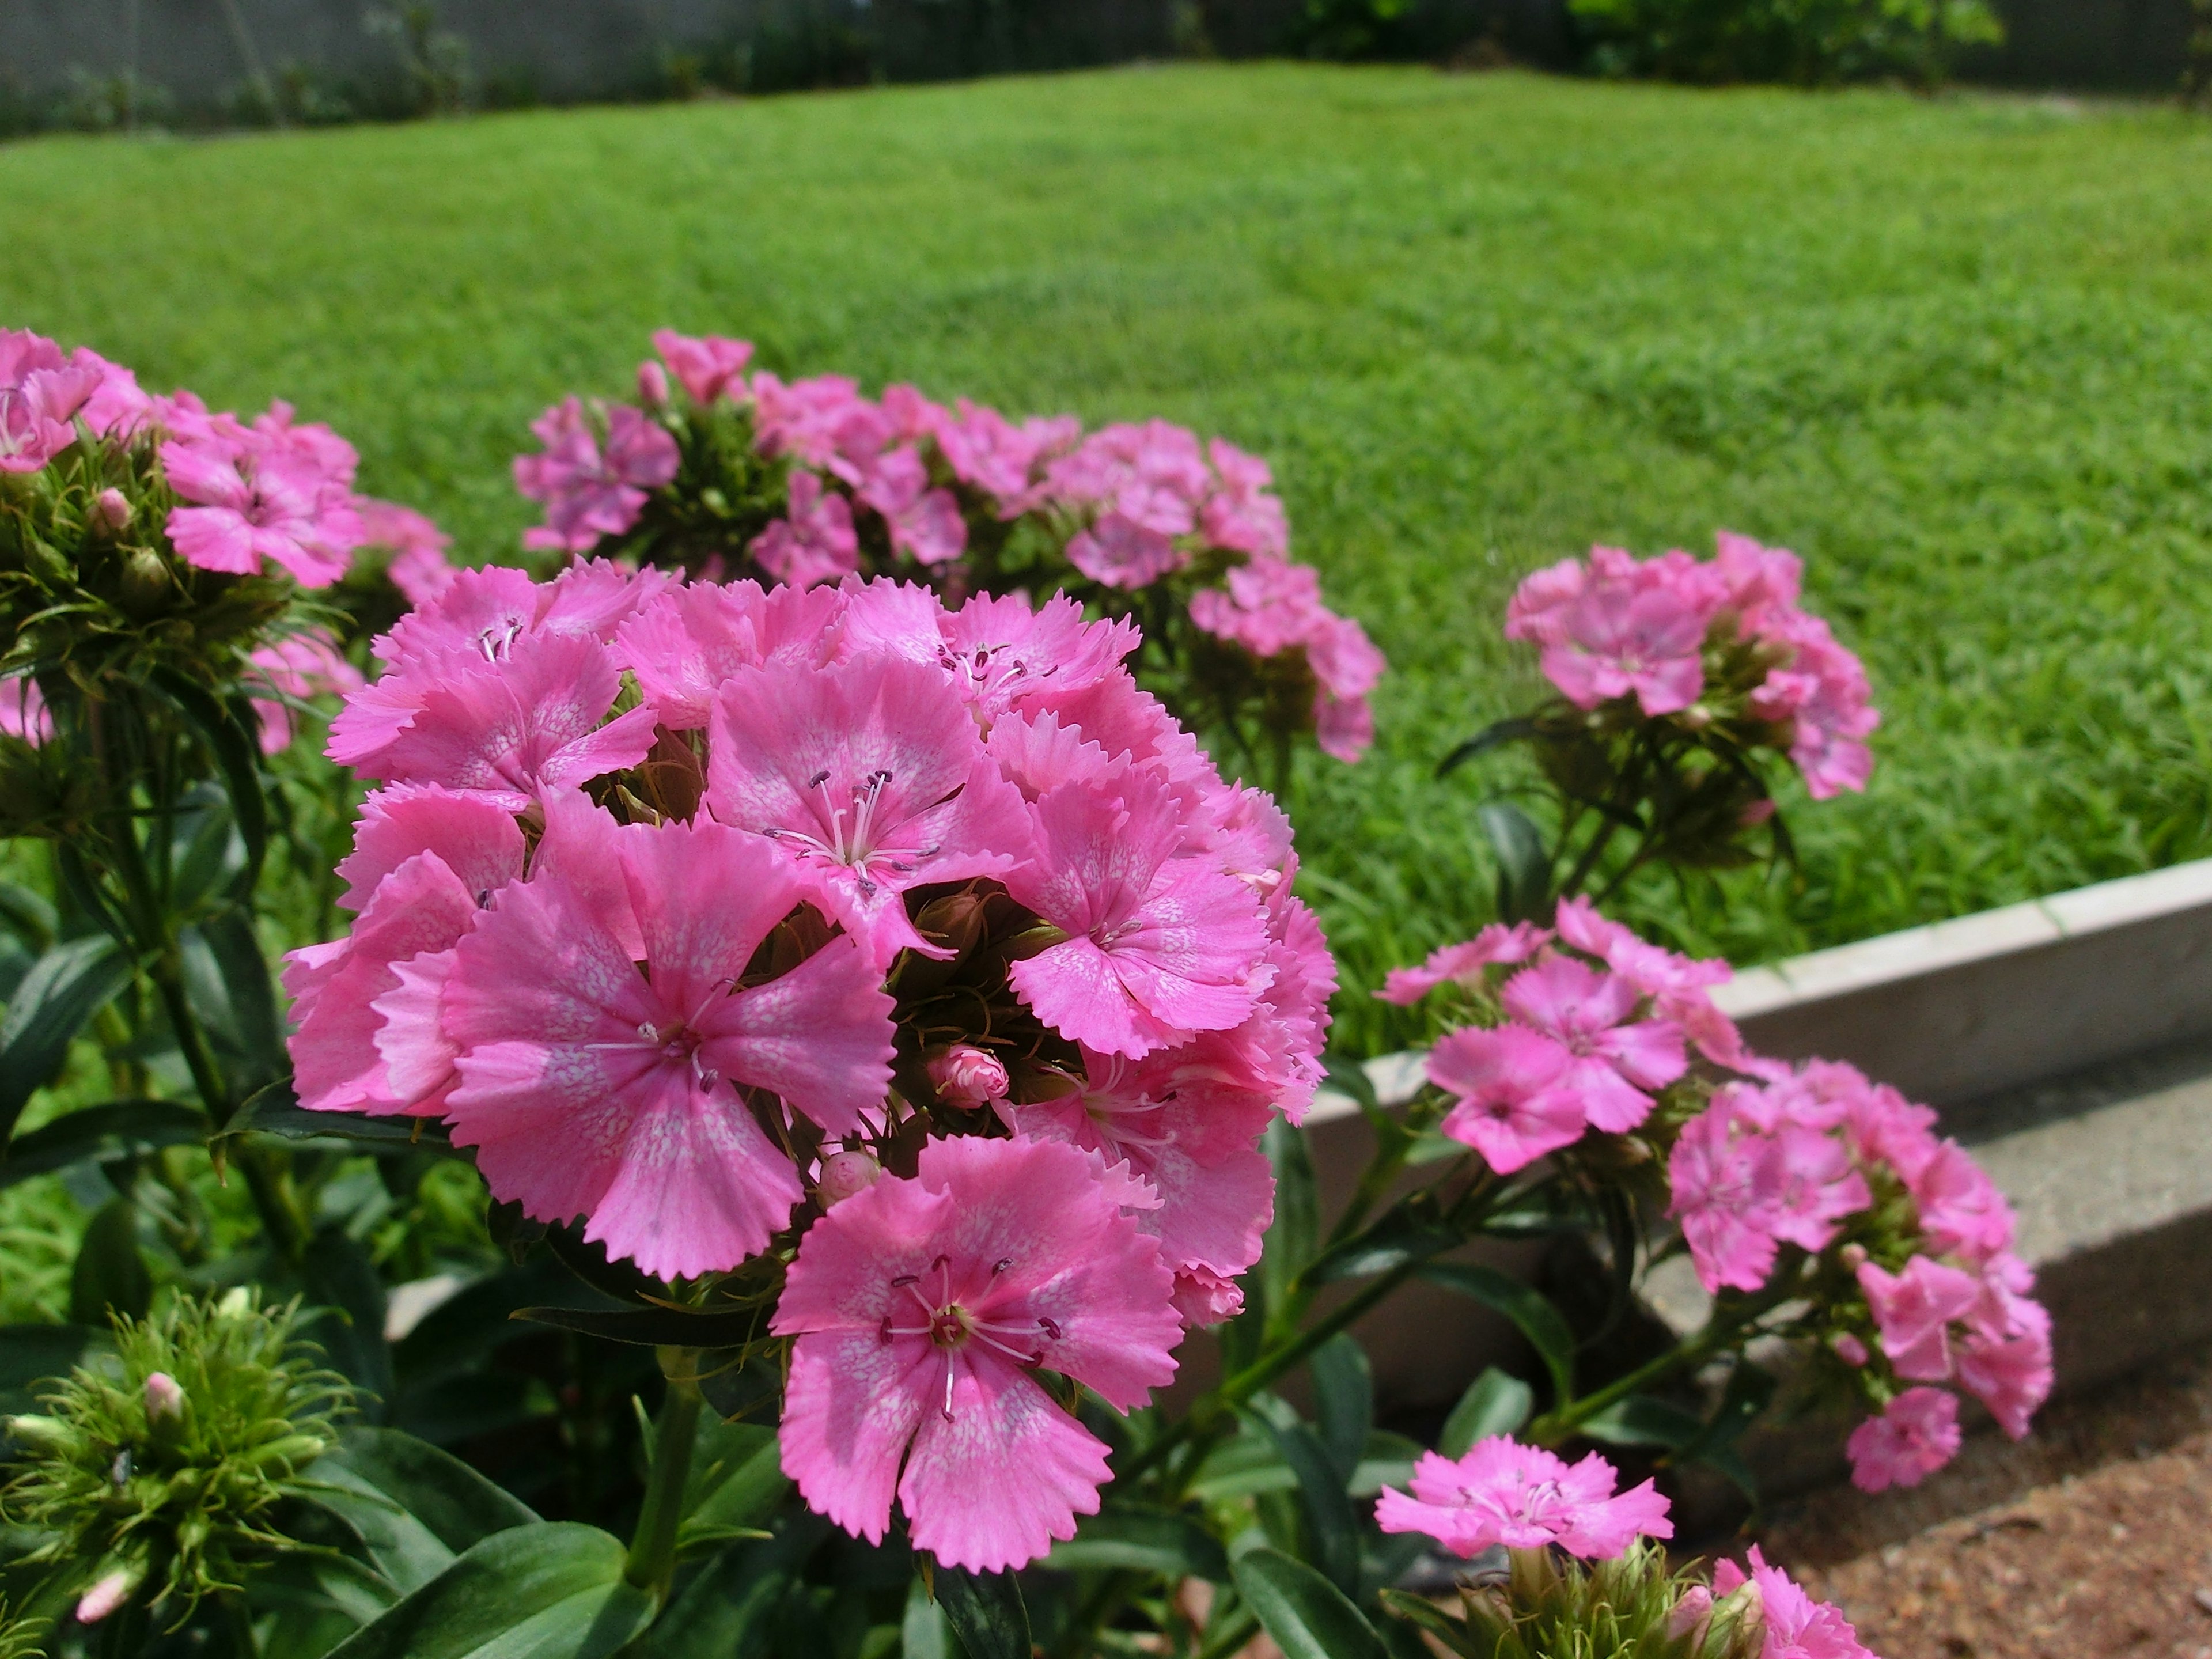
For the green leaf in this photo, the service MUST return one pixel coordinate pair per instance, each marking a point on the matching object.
(1407, 1231)
(924, 1633)
(1643, 1420)
(1495, 735)
(1144, 1540)
(1344, 1400)
(28, 915)
(414, 1508)
(737, 1480)
(276, 1111)
(109, 1275)
(34, 1354)
(1524, 867)
(228, 731)
(245, 998)
(1332, 1530)
(985, 1611)
(1293, 1234)
(731, 1600)
(115, 1128)
(1309, 1617)
(1494, 1403)
(653, 1328)
(345, 1300)
(1250, 1464)
(65, 989)
(552, 1589)
(1544, 1325)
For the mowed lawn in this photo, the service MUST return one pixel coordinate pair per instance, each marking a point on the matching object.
(1957, 352)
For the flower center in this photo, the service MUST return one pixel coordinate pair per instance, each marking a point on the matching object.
(952, 1327)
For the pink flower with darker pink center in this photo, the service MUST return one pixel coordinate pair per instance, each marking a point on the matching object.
(1242, 514)
(1513, 1105)
(1524, 1498)
(1791, 1624)
(921, 1308)
(815, 543)
(305, 665)
(246, 502)
(1158, 947)
(870, 779)
(592, 486)
(1916, 1435)
(1614, 1062)
(595, 1083)
(1724, 1201)
(1463, 963)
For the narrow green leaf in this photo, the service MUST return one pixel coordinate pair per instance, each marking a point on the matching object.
(1544, 1325)
(346, 1304)
(229, 735)
(1344, 1400)
(109, 1275)
(1495, 735)
(552, 1589)
(1309, 1617)
(651, 1327)
(249, 1013)
(28, 915)
(986, 1612)
(1168, 1542)
(65, 989)
(1250, 1465)
(1643, 1420)
(115, 1128)
(414, 1507)
(1407, 1231)
(735, 1483)
(924, 1633)
(1297, 1227)
(1333, 1528)
(1494, 1403)
(276, 1111)
(1524, 867)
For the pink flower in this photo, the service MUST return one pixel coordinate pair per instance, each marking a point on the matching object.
(1961, 1210)
(816, 542)
(845, 1174)
(41, 392)
(1513, 1104)
(256, 497)
(304, 666)
(871, 778)
(1916, 1435)
(1630, 627)
(824, 422)
(591, 1088)
(1158, 947)
(709, 367)
(478, 839)
(1524, 1498)
(1180, 1123)
(2004, 1360)
(592, 488)
(921, 1308)
(999, 650)
(1723, 1200)
(419, 566)
(685, 642)
(1614, 1061)
(1119, 552)
(1462, 965)
(1914, 1309)
(1242, 515)
(1794, 1625)
(23, 712)
(515, 727)
(1762, 583)
(965, 1075)
(1823, 692)
(986, 450)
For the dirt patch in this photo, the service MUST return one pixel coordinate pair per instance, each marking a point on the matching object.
(2093, 1539)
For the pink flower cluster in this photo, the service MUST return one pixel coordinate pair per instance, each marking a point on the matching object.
(656, 964)
(1790, 1160)
(420, 568)
(1596, 1022)
(1127, 506)
(1524, 1498)
(1613, 627)
(275, 491)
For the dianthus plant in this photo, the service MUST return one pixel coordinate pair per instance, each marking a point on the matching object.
(1680, 685)
(161, 571)
(724, 473)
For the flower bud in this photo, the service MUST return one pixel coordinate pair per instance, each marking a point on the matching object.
(652, 383)
(237, 1302)
(844, 1174)
(146, 580)
(165, 1398)
(1853, 1256)
(109, 508)
(110, 1591)
(968, 1076)
(1756, 813)
(1849, 1347)
(46, 1434)
(1691, 1613)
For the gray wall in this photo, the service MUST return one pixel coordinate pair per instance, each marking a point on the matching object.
(561, 51)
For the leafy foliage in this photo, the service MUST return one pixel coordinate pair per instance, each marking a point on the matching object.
(1810, 42)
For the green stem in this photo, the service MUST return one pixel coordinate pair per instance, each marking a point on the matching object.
(1239, 1630)
(238, 1620)
(652, 1562)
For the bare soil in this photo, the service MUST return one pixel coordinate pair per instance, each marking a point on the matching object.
(2092, 1540)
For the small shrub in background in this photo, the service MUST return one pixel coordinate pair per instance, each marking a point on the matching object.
(1806, 42)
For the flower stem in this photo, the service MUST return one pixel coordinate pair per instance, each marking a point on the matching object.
(652, 1561)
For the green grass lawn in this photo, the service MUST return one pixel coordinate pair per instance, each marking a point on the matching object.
(1956, 352)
